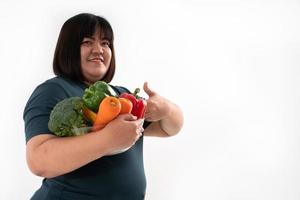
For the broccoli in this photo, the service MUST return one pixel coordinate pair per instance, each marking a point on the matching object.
(67, 116)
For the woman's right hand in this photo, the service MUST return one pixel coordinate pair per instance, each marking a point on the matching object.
(122, 132)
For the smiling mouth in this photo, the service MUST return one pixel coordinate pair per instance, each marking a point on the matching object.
(98, 59)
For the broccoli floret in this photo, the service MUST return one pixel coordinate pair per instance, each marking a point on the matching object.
(66, 116)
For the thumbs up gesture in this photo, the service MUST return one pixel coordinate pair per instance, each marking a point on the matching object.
(157, 106)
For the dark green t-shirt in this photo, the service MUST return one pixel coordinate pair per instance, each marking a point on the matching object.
(117, 177)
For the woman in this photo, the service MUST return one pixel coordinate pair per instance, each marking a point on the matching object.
(80, 167)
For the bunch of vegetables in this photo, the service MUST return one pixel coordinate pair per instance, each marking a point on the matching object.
(97, 107)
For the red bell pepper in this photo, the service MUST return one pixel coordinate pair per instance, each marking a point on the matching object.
(129, 97)
(139, 104)
(139, 109)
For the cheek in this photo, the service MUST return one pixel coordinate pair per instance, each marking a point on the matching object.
(84, 51)
(108, 55)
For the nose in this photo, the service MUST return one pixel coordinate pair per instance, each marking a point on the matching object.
(97, 48)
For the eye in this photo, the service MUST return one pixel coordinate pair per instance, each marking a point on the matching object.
(87, 41)
(105, 43)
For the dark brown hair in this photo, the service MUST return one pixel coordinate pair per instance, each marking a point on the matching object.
(67, 60)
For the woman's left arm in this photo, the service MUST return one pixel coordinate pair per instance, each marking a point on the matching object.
(166, 117)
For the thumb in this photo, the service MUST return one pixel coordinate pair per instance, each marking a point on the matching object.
(149, 91)
(128, 117)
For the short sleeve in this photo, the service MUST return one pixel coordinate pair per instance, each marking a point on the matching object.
(39, 106)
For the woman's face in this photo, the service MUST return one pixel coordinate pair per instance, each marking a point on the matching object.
(95, 58)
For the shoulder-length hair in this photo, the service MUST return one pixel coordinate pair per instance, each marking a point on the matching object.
(67, 60)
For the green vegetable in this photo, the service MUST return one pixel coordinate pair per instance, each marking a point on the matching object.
(66, 117)
(94, 94)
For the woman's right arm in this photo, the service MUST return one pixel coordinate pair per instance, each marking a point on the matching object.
(49, 156)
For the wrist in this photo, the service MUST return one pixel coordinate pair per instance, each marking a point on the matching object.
(103, 146)
(173, 120)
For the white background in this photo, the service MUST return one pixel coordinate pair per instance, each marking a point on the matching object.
(232, 66)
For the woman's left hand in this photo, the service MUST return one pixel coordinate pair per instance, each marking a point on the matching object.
(157, 106)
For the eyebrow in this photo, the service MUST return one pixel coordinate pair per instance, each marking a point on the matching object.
(93, 38)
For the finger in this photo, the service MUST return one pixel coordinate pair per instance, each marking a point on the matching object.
(140, 122)
(149, 119)
(140, 133)
(148, 115)
(148, 91)
(141, 129)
